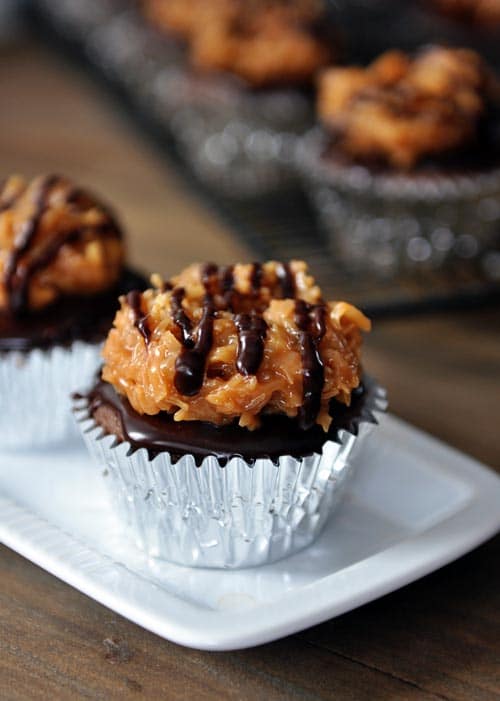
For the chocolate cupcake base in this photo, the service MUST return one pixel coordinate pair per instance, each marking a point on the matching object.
(202, 502)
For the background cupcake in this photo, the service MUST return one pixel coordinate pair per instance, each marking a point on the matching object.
(406, 173)
(241, 99)
(61, 270)
(230, 406)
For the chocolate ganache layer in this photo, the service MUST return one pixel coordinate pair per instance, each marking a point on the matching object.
(72, 318)
(278, 435)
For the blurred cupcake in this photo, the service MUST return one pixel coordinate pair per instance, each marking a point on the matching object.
(406, 174)
(61, 271)
(238, 106)
(230, 407)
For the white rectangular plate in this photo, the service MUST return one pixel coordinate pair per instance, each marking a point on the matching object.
(413, 506)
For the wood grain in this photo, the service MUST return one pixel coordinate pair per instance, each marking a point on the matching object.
(435, 639)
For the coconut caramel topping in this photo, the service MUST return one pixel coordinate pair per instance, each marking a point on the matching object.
(401, 109)
(262, 41)
(226, 344)
(55, 240)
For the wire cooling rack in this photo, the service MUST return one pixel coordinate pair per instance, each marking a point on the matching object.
(281, 224)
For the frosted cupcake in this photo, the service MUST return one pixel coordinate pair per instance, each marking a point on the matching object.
(61, 271)
(242, 97)
(230, 407)
(406, 172)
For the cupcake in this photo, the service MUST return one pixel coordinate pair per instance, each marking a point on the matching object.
(61, 272)
(239, 102)
(228, 412)
(406, 172)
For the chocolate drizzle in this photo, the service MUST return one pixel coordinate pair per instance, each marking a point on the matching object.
(16, 281)
(310, 320)
(210, 278)
(191, 362)
(180, 317)
(252, 331)
(256, 278)
(287, 280)
(140, 319)
(228, 290)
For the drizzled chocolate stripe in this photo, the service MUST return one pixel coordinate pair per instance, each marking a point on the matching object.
(191, 362)
(252, 331)
(287, 280)
(228, 290)
(256, 277)
(210, 278)
(180, 317)
(140, 320)
(22, 242)
(310, 321)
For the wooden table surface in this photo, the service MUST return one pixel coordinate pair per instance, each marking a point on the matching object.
(435, 639)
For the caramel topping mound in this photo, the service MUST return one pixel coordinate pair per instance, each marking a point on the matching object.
(263, 42)
(401, 110)
(55, 240)
(226, 344)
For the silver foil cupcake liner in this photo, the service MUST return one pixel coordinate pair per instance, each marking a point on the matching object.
(238, 141)
(232, 516)
(392, 223)
(35, 393)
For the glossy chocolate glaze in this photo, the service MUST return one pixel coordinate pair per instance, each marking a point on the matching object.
(278, 435)
(74, 318)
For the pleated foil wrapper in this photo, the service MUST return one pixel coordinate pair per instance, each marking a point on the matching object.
(227, 516)
(387, 223)
(35, 393)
